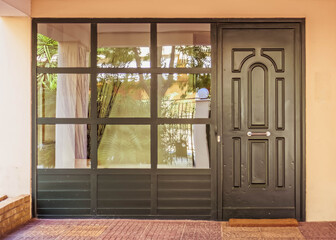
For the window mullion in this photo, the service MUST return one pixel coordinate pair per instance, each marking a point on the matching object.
(154, 117)
(93, 116)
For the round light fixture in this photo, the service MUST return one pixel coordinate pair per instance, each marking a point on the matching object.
(203, 93)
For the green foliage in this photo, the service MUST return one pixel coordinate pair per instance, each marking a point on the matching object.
(47, 81)
(47, 50)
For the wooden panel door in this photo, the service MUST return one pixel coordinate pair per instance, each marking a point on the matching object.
(258, 121)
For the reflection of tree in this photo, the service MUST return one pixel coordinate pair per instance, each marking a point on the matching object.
(137, 59)
(176, 146)
(47, 54)
(125, 145)
(181, 103)
(122, 58)
(194, 56)
(47, 50)
(188, 57)
(176, 141)
(115, 57)
(110, 85)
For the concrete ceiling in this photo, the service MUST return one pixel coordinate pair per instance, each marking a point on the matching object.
(15, 8)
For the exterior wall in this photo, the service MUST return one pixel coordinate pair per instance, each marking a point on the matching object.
(320, 80)
(15, 110)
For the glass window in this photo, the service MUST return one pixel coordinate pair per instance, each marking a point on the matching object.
(124, 104)
(63, 146)
(123, 146)
(63, 45)
(123, 45)
(184, 45)
(63, 95)
(184, 95)
(123, 95)
(183, 146)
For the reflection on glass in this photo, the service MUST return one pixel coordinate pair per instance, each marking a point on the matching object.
(123, 45)
(63, 45)
(184, 45)
(184, 95)
(123, 95)
(63, 95)
(123, 146)
(183, 146)
(63, 146)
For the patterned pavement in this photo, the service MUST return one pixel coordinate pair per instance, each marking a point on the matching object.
(165, 229)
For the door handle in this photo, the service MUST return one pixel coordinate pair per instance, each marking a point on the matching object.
(267, 134)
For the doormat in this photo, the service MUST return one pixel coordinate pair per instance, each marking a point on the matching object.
(289, 222)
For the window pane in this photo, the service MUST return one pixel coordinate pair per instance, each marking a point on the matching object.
(63, 146)
(123, 45)
(63, 95)
(184, 95)
(123, 95)
(123, 146)
(63, 45)
(184, 45)
(183, 146)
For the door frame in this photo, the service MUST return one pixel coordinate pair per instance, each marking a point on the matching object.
(300, 104)
(216, 159)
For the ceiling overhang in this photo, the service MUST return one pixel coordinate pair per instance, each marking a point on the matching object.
(15, 8)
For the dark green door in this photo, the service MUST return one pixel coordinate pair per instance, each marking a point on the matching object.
(258, 120)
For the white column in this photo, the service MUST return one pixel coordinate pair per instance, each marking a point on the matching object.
(200, 137)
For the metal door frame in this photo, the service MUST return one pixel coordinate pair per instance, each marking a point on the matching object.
(215, 150)
(300, 110)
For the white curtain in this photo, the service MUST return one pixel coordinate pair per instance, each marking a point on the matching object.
(72, 100)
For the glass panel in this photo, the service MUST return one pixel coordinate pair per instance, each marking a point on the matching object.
(123, 95)
(63, 146)
(63, 45)
(123, 45)
(184, 95)
(184, 45)
(63, 95)
(123, 146)
(183, 146)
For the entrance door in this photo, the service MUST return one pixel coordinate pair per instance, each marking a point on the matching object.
(258, 74)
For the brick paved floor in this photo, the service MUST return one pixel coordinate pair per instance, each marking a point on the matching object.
(164, 230)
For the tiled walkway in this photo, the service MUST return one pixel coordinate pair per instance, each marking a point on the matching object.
(165, 229)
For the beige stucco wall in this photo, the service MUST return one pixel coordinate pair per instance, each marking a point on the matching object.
(321, 78)
(15, 111)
